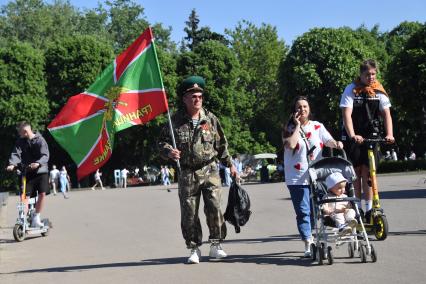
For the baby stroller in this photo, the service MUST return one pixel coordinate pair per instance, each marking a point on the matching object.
(324, 227)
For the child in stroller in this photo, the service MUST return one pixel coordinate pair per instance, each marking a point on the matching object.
(331, 226)
(341, 213)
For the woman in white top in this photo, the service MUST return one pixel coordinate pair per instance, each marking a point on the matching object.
(303, 141)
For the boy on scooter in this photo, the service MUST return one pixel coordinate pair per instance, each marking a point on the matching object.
(31, 151)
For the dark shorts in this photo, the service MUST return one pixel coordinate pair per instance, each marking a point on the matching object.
(357, 153)
(37, 183)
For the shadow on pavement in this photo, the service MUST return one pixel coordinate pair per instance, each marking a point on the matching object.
(293, 258)
(284, 258)
(7, 241)
(265, 240)
(408, 233)
(78, 268)
(403, 194)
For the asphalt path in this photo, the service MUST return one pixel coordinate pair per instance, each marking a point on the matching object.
(133, 236)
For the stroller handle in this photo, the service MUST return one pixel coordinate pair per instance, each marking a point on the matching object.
(342, 151)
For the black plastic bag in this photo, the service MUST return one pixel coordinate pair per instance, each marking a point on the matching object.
(238, 209)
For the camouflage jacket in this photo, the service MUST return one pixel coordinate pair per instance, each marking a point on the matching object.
(200, 146)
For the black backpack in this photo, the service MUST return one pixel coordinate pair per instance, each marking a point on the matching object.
(238, 209)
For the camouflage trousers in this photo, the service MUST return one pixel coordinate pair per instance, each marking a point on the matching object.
(192, 185)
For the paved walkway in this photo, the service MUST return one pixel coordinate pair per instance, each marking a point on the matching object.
(133, 236)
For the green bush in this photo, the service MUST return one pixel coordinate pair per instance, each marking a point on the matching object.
(401, 166)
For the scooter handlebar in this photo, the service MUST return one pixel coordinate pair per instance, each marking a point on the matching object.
(375, 140)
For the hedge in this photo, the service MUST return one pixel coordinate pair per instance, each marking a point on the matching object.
(401, 166)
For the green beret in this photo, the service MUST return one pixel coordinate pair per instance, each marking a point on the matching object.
(192, 84)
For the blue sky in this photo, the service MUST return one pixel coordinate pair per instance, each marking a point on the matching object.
(292, 18)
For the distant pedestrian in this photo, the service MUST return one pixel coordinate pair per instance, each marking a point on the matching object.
(98, 180)
(227, 176)
(64, 180)
(54, 179)
(394, 155)
(238, 165)
(124, 173)
(166, 176)
(388, 156)
(412, 155)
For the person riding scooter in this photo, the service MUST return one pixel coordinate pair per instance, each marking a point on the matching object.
(32, 151)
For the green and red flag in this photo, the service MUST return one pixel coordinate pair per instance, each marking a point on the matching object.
(128, 92)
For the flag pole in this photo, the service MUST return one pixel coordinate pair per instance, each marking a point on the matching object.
(172, 134)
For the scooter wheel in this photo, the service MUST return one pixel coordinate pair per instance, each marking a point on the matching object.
(381, 227)
(46, 223)
(18, 233)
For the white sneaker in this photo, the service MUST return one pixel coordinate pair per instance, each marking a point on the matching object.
(308, 243)
(216, 251)
(93, 188)
(195, 256)
(36, 223)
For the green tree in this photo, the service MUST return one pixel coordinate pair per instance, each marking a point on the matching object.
(407, 81)
(225, 96)
(22, 94)
(126, 22)
(72, 65)
(37, 22)
(398, 36)
(196, 35)
(376, 43)
(260, 51)
(319, 65)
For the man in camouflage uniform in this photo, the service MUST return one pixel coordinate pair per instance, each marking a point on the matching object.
(201, 144)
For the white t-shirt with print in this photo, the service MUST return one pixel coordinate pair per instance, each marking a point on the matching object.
(347, 99)
(295, 160)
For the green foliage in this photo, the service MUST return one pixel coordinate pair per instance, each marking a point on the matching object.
(22, 95)
(319, 65)
(398, 36)
(375, 42)
(36, 21)
(225, 95)
(50, 50)
(22, 85)
(401, 166)
(260, 51)
(407, 83)
(196, 35)
(126, 22)
(72, 65)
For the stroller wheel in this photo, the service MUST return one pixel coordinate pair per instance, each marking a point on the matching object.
(351, 250)
(363, 253)
(321, 254)
(373, 254)
(18, 233)
(313, 252)
(381, 227)
(330, 255)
